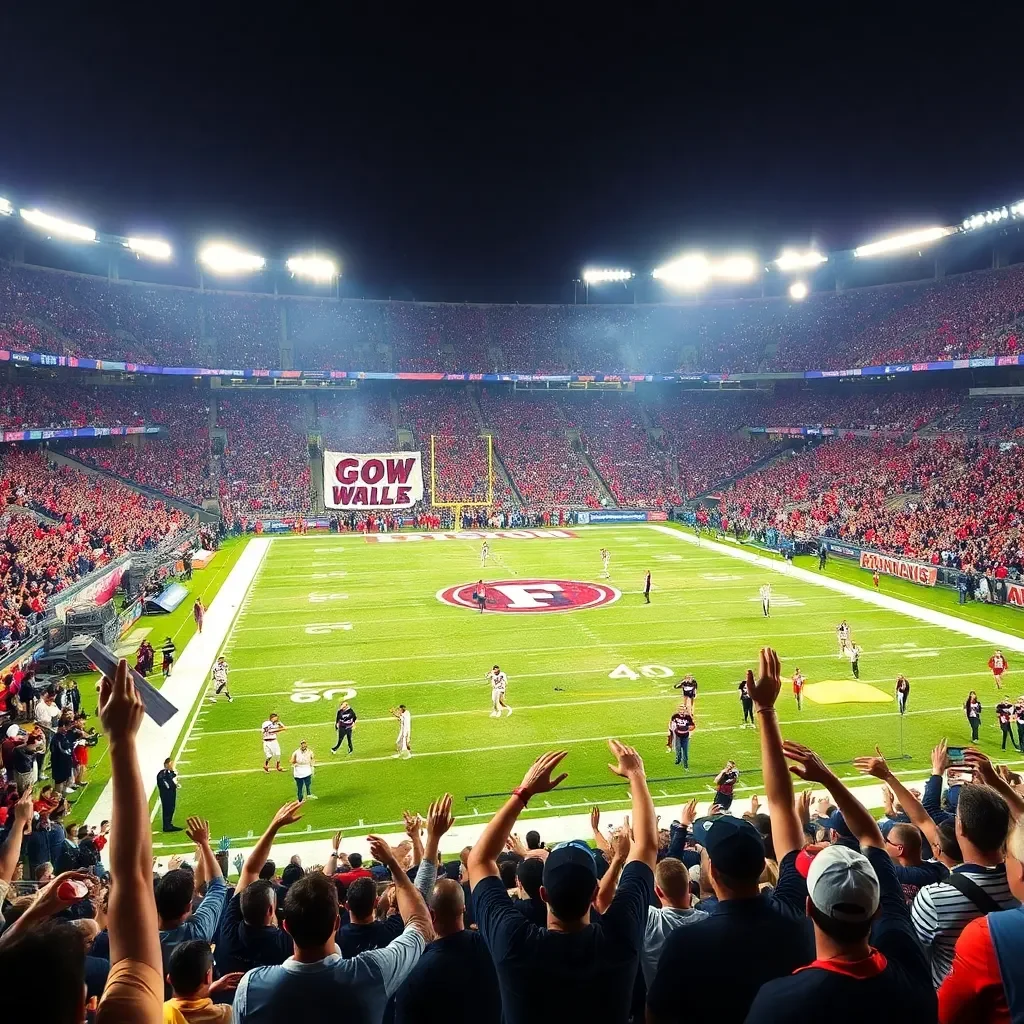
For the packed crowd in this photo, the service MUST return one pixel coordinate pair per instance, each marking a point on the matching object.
(779, 912)
(964, 316)
(81, 521)
(265, 467)
(30, 403)
(178, 464)
(546, 467)
(949, 500)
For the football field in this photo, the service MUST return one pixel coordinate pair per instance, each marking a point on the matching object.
(384, 622)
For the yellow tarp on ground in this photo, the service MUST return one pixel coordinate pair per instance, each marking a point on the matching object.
(845, 691)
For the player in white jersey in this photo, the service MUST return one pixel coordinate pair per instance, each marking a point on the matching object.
(606, 557)
(271, 747)
(766, 599)
(498, 681)
(404, 741)
(484, 553)
(220, 679)
(843, 637)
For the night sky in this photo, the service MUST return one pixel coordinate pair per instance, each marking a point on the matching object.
(496, 160)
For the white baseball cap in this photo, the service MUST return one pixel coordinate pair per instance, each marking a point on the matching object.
(843, 885)
(13, 731)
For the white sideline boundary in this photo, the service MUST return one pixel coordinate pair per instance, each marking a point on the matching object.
(190, 675)
(559, 828)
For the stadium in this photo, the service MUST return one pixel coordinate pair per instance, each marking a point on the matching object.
(312, 523)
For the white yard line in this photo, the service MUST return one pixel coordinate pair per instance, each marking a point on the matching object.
(191, 671)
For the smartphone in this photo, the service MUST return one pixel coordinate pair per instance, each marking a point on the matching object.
(955, 756)
(158, 707)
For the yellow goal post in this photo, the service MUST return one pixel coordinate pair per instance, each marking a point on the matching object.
(458, 504)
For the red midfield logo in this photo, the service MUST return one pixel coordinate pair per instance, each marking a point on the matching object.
(531, 595)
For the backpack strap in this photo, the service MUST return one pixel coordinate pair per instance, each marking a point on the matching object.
(974, 892)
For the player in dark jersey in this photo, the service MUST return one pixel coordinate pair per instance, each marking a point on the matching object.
(680, 726)
(689, 688)
(725, 782)
(343, 722)
(1018, 714)
(972, 708)
(647, 587)
(748, 704)
(1004, 712)
(902, 693)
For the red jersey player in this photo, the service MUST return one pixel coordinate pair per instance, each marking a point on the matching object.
(998, 664)
(798, 688)
(874, 578)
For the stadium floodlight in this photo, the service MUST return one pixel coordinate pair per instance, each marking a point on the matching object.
(735, 268)
(790, 259)
(222, 258)
(155, 248)
(317, 268)
(690, 271)
(6, 209)
(798, 291)
(907, 240)
(600, 275)
(56, 226)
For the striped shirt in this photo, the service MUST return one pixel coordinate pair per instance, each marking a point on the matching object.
(940, 913)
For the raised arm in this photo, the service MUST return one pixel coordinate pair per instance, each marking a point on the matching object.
(412, 830)
(287, 815)
(131, 911)
(10, 852)
(331, 867)
(610, 879)
(984, 771)
(411, 904)
(207, 865)
(595, 821)
(811, 768)
(787, 835)
(878, 768)
(629, 765)
(483, 858)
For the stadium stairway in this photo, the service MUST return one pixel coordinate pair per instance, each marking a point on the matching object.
(602, 484)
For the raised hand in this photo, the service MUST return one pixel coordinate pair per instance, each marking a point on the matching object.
(336, 841)
(538, 777)
(439, 817)
(595, 818)
(809, 766)
(754, 804)
(198, 831)
(627, 761)
(875, 766)
(121, 709)
(979, 763)
(173, 862)
(287, 814)
(621, 843)
(803, 805)
(689, 813)
(412, 823)
(23, 811)
(239, 862)
(765, 689)
(381, 852)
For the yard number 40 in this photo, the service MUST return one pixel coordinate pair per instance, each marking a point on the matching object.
(650, 671)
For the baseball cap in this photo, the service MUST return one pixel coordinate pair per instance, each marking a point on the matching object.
(12, 731)
(843, 885)
(734, 845)
(569, 873)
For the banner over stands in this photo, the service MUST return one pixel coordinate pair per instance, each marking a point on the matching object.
(377, 480)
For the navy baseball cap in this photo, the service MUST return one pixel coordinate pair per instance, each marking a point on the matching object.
(569, 871)
(734, 846)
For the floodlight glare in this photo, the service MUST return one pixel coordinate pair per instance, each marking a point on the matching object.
(155, 248)
(691, 271)
(908, 240)
(5, 207)
(595, 275)
(226, 259)
(790, 259)
(58, 227)
(735, 268)
(318, 268)
(798, 291)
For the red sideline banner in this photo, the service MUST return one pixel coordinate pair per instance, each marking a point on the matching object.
(376, 480)
(1014, 594)
(927, 575)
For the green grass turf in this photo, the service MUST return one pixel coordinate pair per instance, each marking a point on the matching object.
(405, 646)
(179, 625)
